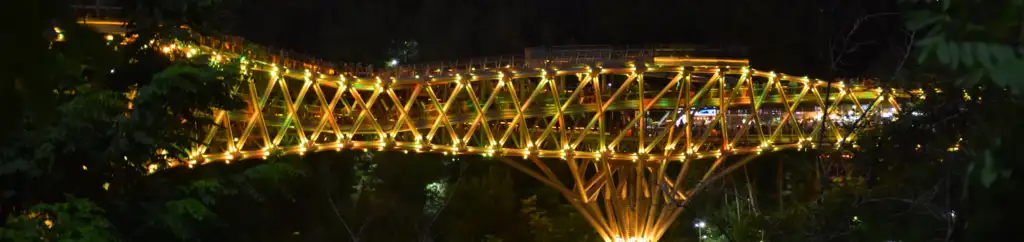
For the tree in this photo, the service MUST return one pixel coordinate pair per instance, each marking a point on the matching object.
(978, 44)
(403, 52)
(93, 118)
(977, 41)
(901, 185)
(76, 219)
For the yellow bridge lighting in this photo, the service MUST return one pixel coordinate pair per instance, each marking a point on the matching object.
(609, 115)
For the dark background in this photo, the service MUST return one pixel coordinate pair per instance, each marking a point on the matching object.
(795, 37)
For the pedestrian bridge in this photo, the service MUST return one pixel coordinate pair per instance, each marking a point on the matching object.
(628, 122)
(618, 118)
(650, 108)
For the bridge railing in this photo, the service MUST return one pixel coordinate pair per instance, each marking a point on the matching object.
(558, 57)
(444, 67)
(283, 58)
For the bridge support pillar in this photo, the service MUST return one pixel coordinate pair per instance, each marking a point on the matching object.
(627, 201)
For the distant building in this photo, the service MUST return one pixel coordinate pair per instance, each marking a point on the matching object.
(104, 15)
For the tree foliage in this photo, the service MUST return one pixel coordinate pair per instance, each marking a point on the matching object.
(935, 174)
(978, 43)
(977, 40)
(73, 220)
(92, 119)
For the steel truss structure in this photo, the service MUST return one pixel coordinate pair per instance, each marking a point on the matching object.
(635, 133)
(628, 130)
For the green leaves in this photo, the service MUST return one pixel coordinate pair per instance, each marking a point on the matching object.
(984, 55)
(988, 173)
(182, 215)
(78, 220)
(921, 19)
(274, 171)
(999, 62)
(966, 54)
(963, 41)
(183, 91)
(191, 207)
(1002, 53)
(1010, 74)
(993, 169)
(971, 79)
(946, 53)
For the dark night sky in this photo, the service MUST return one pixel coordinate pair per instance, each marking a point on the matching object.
(787, 35)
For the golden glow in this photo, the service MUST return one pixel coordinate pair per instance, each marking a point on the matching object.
(632, 239)
(101, 22)
(479, 115)
(60, 33)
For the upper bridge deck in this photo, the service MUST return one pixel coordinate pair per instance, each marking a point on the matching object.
(655, 103)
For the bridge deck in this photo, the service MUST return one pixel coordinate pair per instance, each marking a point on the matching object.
(619, 105)
(632, 110)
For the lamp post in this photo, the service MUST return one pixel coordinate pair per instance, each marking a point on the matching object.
(700, 229)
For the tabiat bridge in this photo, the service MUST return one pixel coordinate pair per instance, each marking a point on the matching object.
(628, 123)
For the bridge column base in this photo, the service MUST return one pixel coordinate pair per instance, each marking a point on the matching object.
(626, 201)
